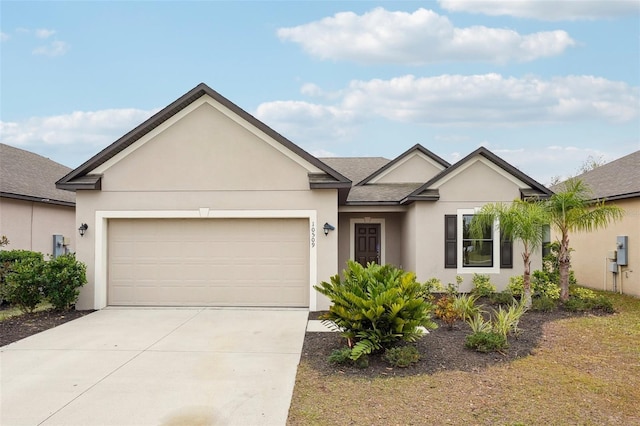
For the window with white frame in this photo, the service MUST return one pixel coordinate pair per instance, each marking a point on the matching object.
(487, 254)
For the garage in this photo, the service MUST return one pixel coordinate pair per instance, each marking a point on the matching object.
(208, 262)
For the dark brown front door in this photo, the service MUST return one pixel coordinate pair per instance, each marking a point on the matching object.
(367, 243)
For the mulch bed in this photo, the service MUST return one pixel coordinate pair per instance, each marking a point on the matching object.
(19, 327)
(441, 350)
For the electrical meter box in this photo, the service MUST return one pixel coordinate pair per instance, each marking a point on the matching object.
(622, 243)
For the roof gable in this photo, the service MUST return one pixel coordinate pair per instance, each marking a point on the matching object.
(29, 176)
(528, 186)
(78, 178)
(423, 163)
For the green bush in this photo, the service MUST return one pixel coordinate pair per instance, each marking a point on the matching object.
(583, 299)
(482, 286)
(507, 320)
(402, 356)
(502, 298)
(541, 285)
(7, 259)
(24, 284)
(575, 304)
(486, 341)
(64, 276)
(429, 287)
(376, 307)
(544, 304)
(343, 357)
(479, 325)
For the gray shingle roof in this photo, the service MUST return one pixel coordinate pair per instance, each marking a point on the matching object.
(355, 168)
(25, 175)
(381, 192)
(615, 180)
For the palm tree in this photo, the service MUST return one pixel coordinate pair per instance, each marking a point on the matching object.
(572, 209)
(520, 220)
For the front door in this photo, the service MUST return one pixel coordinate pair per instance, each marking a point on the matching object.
(367, 243)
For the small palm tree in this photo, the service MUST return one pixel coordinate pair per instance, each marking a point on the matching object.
(520, 220)
(572, 209)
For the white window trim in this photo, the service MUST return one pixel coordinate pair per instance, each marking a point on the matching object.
(495, 269)
(352, 237)
(102, 225)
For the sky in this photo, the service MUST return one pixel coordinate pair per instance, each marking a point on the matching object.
(545, 85)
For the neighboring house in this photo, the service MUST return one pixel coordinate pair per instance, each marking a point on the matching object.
(618, 183)
(203, 204)
(32, 209)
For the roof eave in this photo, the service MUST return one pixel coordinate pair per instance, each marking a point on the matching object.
(37, 199)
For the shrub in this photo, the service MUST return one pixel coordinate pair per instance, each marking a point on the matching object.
(24, 284)
(343, 356)
(429, 287)
(402, 356)
(376, 307)
(465, 305)
(447, 311)
(479, 325)
(575, 304)
(506, 320)
(486, 341)
(540, 286)
(544, 304)
(482, 286)
(7, 259)
(502, 298)
(64, 276)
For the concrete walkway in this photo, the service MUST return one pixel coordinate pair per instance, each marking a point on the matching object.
(155, 367)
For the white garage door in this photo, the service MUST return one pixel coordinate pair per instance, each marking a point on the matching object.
(208, 262)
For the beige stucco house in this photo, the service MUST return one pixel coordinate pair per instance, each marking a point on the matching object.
(203, 204)
(618, 183)
(32, 209)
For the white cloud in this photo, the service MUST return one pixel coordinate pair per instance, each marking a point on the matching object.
(44, 33)
(55, 48)
(421, 37)
(493, 99)
(78, 132)
(454, 100)
(4, 36)
(546, 10)
(304, 122)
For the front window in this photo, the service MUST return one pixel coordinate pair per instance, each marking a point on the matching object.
(476, 253)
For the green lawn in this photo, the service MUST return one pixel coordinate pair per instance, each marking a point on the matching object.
(13, 311)
(585, 371)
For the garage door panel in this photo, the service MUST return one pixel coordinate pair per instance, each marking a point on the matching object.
(210, 262)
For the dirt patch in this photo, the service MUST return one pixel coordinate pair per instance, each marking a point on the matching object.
(441, 350)
(21, 326)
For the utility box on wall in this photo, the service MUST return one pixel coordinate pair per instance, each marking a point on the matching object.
(622, 243)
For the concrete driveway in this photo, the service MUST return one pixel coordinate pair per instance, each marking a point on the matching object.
(155, 367)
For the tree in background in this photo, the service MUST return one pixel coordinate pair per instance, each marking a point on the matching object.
(572, 209)
(520, 220)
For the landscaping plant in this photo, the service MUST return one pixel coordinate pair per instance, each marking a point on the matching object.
(402, 356)
(520, 220)
(376, 307)
(482, 286)
(24, 284)
(63, 278)
(572, 209)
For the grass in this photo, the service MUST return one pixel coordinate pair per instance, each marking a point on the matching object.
(14, 311)
(585, 371)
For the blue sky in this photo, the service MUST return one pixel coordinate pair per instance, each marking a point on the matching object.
(543, 84)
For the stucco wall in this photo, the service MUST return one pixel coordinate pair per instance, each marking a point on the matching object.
(416, 168)
(473, 187)
(30, 226)
(588, 258)
(205, 160)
